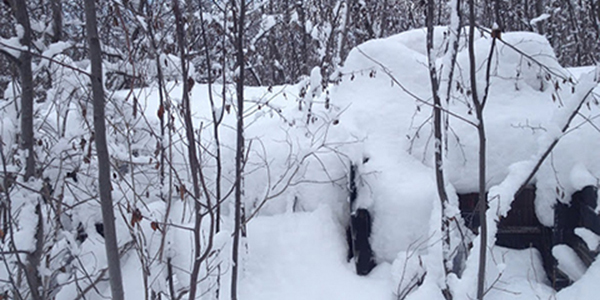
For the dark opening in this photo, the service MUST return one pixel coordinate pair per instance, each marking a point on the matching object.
(520, 229)
(359, 247)
(358, 230)
(467, 204)
(99, 228)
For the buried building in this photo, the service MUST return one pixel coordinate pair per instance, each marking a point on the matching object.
(566, 249)
(575, 224)
(396, 188)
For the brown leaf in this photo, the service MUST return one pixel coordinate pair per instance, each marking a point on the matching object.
(161, 111)
(136, 217)
(191, 83)
(1, 234)
(182, 191)
(157, 150)
(155, 226)
(496, 34)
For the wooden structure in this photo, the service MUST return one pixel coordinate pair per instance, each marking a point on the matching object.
(580, 213)
(521, 229)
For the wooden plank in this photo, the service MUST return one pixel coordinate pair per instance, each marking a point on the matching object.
(520, 230)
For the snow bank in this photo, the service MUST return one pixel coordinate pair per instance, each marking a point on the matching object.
(569, 262)
(391, 122)
(303, 256)
(399, 189)
(384, 84)
(591, 239)
(586, 288)
(512, 274)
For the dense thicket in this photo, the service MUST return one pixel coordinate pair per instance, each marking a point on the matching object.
(285, 38)
(48, 175)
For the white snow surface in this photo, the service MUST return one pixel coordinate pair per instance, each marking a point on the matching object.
(569, 262)
(539, 18)
(591, 239)
(584, 288)
(303, 256)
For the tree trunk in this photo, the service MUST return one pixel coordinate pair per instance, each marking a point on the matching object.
(239, 25)
(32, 275)
(57, 20)
(482, 204)
(339, 54)
(437, 132)
(22, 17)
(108, 218)
(384, 19)
(300, 7)
(539, 10)
(498, 18)
(193, 157)
(577, 35)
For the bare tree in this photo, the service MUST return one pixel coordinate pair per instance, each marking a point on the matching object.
(22, 16)
(27, 141)
(438, 133)
(239, 13)
(108, 218)
(482, 203)
(194, 165)
(479, 104)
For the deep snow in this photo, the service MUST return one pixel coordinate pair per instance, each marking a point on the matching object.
(295, 247)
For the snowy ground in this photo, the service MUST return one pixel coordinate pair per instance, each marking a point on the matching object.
(303, 256)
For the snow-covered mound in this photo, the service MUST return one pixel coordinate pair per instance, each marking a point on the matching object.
(525, 93)
(384, 85)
